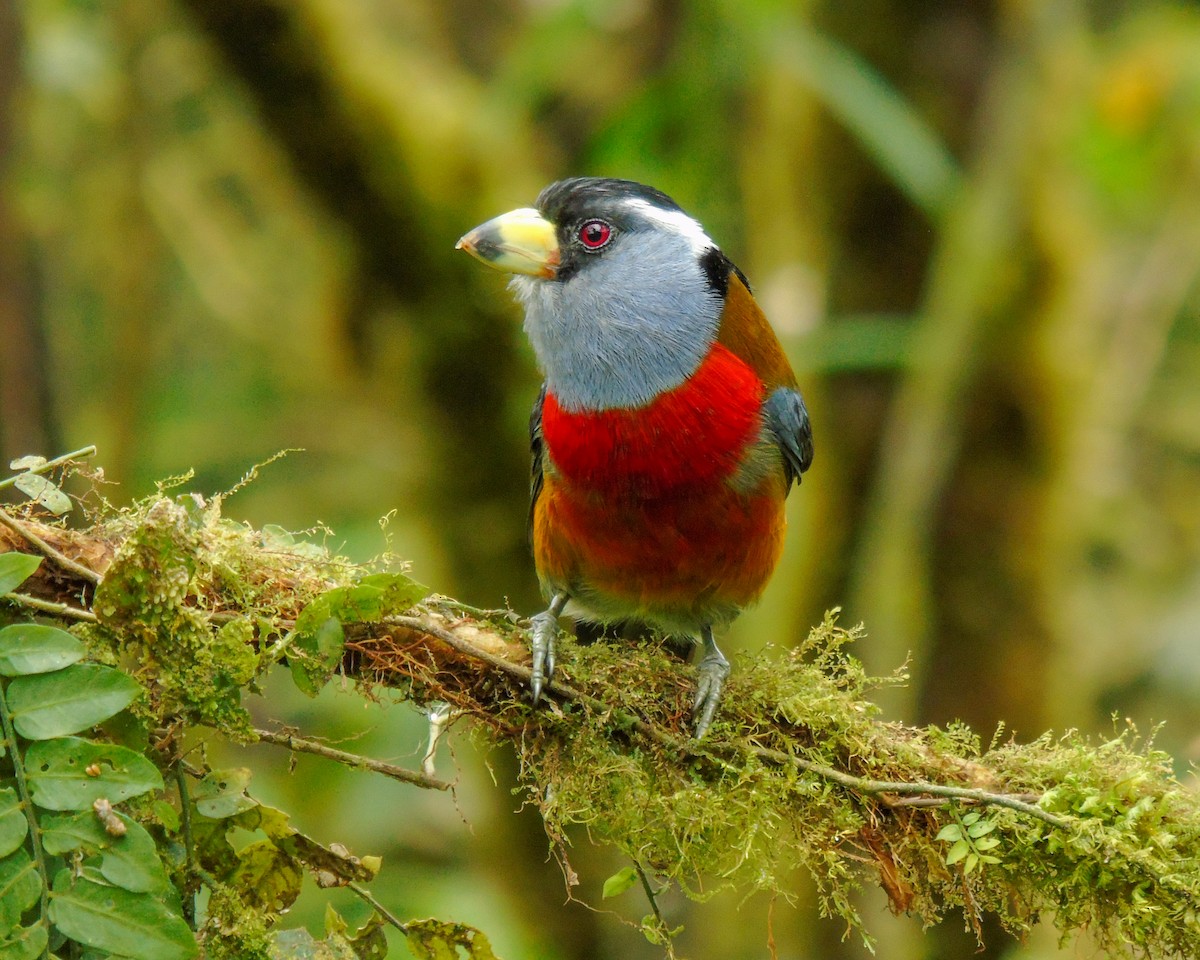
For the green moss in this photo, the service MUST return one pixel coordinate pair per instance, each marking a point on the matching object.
(188, 599)
(1127, 868)
(233, 930)
(148, 607)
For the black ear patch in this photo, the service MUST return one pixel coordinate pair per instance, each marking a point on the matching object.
(717, 267)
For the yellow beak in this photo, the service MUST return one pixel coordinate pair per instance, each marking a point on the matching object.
(520, 241)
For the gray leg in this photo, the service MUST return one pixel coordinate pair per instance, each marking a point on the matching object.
(710, 680)
(542, 635)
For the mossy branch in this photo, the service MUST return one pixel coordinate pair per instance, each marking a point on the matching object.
(733, 749)
(799, 770)
(301, 745)
(65, 563)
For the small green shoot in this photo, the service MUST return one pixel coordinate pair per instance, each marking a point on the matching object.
(970, 837)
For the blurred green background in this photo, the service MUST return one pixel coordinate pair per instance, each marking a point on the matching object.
(227, 228)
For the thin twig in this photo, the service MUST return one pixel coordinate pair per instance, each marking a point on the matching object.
(59, 558)
(699, 748)
(49, 606)
(300, 745)
(8, 738)
(79, 454)
(383, 911)
(943, 802)
(876, 787)
(457, 608)
(189, 846)
(653, 898)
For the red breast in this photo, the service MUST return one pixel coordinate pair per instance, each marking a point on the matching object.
(688, 437)
(637, 516)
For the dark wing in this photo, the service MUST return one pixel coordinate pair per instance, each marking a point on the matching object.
(537, 448)
(787, 418)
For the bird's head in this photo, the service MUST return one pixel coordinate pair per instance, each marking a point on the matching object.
(622, 290)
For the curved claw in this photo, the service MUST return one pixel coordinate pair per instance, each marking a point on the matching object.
(710, 681)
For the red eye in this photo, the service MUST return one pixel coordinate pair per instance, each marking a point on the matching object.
(595, 234)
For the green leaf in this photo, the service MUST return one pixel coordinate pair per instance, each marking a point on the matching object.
(168, 816)
(32, 648)
(67, 701)
(435, 940)
(333, 860)
(983, 828)
(20, 887)
(318, 638)
(59, 778)
(13, 825)
(64, 832)
(400, 591)
(987, 843)
(334, 922)
(15, 569)
(213, 851)
(971, 862)
(132, 862)
(266, 877)
(328, 640)
(36, 487)
(222, 793)
(655, 933)
(270, 820)
(134, 925)
(314, 656)
(367, 600)
(619, 882)
(950, 832)
(370, 941)
(960, 849)
(129, 861)
(24, 943)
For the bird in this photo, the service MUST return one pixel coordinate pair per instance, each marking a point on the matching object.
(669, 430)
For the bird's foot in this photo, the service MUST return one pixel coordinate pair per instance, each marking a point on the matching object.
(710, 681)
(543, 635)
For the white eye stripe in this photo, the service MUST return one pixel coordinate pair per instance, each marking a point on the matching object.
(675, 220)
